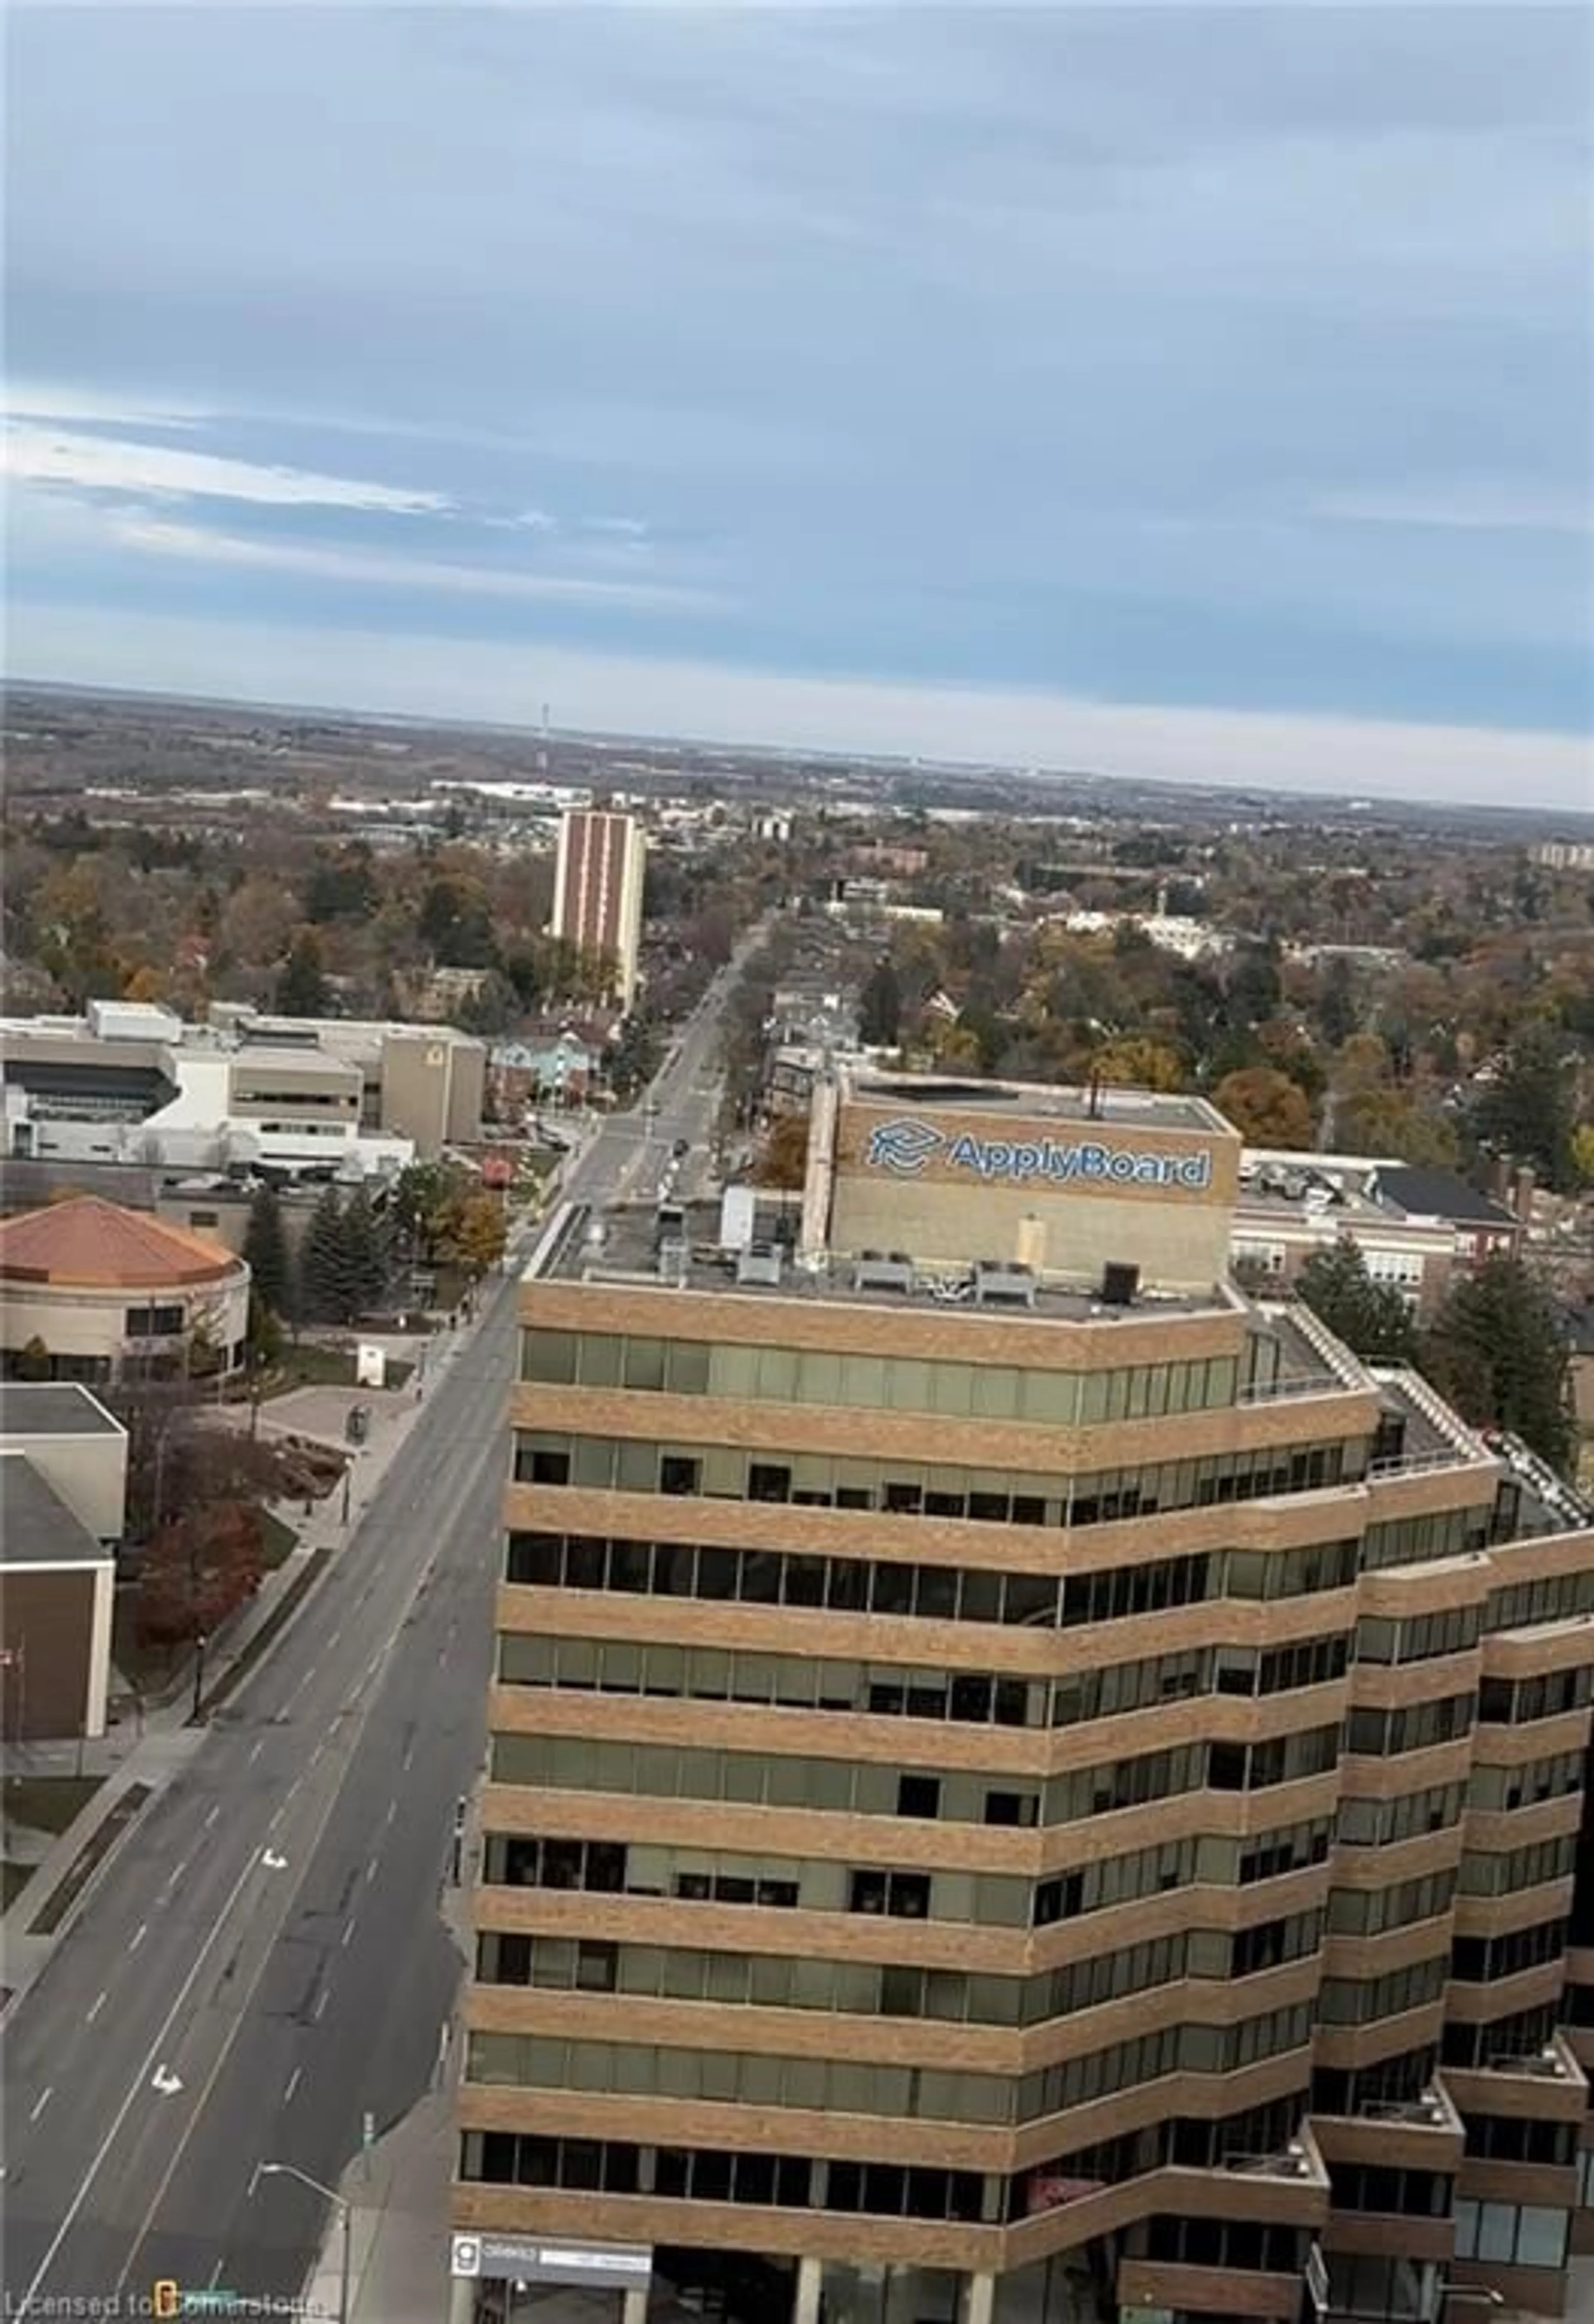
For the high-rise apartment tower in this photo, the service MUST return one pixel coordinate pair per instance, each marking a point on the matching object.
(598, 872)
(1025, 1784)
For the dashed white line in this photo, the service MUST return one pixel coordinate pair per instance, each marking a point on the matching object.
(276, 1819)
(40, 2102)
(408, 1753)
(210, 1819)
(99, 2004)
(255, 1754)
(370, 1871)
(287, 2095)
(348, 1931)
(215, 2274)
(176, 1873)
(322, 1998)
(139, 1934)
(392, 1809)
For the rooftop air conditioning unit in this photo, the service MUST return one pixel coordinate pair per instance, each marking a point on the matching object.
(1003, 1283)
(879, 1270)
(761, 1262)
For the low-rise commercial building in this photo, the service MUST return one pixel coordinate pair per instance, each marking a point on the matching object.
(1024, 1785)
(1416, 1229)
(133, 1084)
(63, 1492)
(88, 1288)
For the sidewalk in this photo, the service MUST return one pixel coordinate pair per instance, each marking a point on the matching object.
(153, 1745)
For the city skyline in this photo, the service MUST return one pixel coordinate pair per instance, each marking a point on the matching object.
(1197, 396)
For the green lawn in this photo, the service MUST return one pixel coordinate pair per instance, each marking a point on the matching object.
(47, 1802)
(278, 1541)
(314, 1365)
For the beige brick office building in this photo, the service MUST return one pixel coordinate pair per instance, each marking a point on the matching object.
(1023, 1785)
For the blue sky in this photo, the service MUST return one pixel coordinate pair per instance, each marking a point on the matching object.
(1186, 391)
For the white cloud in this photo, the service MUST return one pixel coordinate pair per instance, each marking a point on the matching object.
(624, 527)
(103, 463)
(464, 678)
(21, 400)
(369, 568)
(1464, 507)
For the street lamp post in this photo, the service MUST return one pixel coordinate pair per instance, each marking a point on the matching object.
(345, 2211)
(196, 1712)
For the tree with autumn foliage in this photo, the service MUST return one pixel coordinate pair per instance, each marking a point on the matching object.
(199, 1570)
(1265, 1106)
(783, 1157)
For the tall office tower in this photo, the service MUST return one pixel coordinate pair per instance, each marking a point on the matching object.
(1025, 1784)
(598, 871)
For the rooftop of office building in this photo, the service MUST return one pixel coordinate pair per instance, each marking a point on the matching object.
(863, 1083)
(679, 1248)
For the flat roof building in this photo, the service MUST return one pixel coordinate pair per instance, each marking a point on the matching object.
(1024, 1785)
(63, 1491)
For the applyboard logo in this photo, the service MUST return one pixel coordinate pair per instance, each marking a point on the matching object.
(903, 1147)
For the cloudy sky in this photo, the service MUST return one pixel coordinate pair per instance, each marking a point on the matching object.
(1183, 391)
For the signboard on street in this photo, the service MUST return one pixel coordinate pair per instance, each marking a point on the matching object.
(528, 2259)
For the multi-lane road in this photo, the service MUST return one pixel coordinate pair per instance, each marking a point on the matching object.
(264, 1962)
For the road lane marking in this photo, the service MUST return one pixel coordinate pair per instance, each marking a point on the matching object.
(41, 2101)
(392, 1809)
(210, 1819)
(348, 1931)
(135, 2090)
(408, 1753)
(139, 1934)
(255, 1752)
(287, 2098)
(322, 1998)
(176, 1873)
(370, 1870)
(98, 2005)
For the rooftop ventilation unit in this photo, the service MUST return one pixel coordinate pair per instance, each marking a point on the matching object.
(882, 1270)
(672, 1261)
(758, 1263)
(1003, 1283)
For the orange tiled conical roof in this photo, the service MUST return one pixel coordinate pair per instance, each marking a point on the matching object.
(97, 1245)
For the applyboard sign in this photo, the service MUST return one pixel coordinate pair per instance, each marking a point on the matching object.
(906, 1149)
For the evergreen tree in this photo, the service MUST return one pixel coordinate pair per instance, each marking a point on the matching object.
(1497, 1351)
(879, 1006)
(265, 1248)
(301, 989)
(322, 1279)
(362, 1257)
(1526, 1110)
(1372, 1318)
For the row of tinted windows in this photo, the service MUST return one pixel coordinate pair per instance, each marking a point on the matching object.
(956, 1391)
(640, 2069)
(1554, 1598)
(784, 1883)
(927, 1488)
(779, 1981)
(1486, 1874)
(939, 1594)
(841, 1786)
(1506, 1701)
(895, 1691)
(890, 2189)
